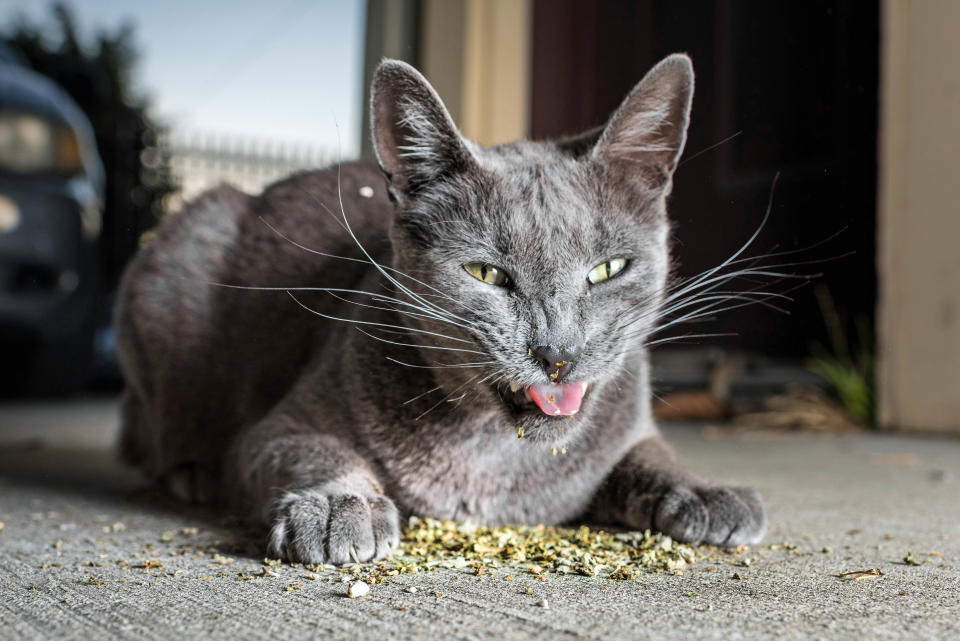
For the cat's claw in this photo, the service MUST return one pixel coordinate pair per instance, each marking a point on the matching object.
(332, 524)
(711, 515)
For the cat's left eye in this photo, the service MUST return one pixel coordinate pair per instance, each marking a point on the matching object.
(606, 270)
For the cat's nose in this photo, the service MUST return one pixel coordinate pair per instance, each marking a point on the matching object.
(556, 361)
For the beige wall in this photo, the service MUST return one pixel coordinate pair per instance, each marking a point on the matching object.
(919, 216)
(476, 53)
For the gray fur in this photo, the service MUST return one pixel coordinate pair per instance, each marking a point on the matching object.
(328, 431)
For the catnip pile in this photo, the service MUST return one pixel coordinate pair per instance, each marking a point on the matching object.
(429, 544)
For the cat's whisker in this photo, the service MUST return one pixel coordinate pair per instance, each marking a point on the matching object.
(706, 307)
(442, 366)
(721, 279)
(707, 311)
(421, 395)
(390, 308)
(714, 299)
(748, 298)
(475, 387)
(691, 286)
(694, 291)
(689, 339)
(441, 401)
(334, 290)
(472, 327)
(308, 249)
(448, 349)
(707, 291)
(671, 339)
(780, 254)
(375, 324)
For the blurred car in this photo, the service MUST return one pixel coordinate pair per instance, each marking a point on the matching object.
(51, 190)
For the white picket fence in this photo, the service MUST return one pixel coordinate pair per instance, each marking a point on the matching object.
(200, 160)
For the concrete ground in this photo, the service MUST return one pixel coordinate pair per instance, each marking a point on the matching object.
(76, 526)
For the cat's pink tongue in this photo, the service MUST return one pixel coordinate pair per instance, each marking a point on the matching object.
(561, 399)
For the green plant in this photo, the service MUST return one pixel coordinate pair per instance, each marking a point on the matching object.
(847, 368)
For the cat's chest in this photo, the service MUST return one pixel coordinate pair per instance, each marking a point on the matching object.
(500, 479)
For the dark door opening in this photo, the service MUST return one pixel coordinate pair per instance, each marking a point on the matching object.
(797, 80)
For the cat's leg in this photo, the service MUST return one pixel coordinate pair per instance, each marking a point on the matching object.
(647, 489)
(322, 501)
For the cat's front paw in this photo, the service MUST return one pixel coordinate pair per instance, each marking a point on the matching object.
(332, 524)
(711, 515)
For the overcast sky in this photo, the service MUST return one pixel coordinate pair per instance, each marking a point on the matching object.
(284, 69)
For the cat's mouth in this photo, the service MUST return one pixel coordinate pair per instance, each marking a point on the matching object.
(552, 399)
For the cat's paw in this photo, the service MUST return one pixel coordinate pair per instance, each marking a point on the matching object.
(332, 524)
(711, 515)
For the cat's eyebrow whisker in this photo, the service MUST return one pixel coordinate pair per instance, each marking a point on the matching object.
(710, 148)
(377, 265)
(346, 226)
(357, 260)
(448, 349)
(317, 200)
(361, 322)
(753, 237)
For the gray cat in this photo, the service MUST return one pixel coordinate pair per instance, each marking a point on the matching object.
(375, 348)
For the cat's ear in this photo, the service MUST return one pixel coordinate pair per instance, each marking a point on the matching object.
(645, 136)
(414, 136)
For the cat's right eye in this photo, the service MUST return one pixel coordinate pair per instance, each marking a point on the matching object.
(487, 273)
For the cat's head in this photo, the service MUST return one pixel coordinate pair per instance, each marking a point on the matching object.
(545, 260)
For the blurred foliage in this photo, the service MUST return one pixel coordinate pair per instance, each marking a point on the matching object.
(101, 79)
(847, 366)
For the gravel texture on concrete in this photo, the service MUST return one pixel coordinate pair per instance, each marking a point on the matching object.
(76, 526)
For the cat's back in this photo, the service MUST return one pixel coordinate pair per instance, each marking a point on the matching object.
(181, 329)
